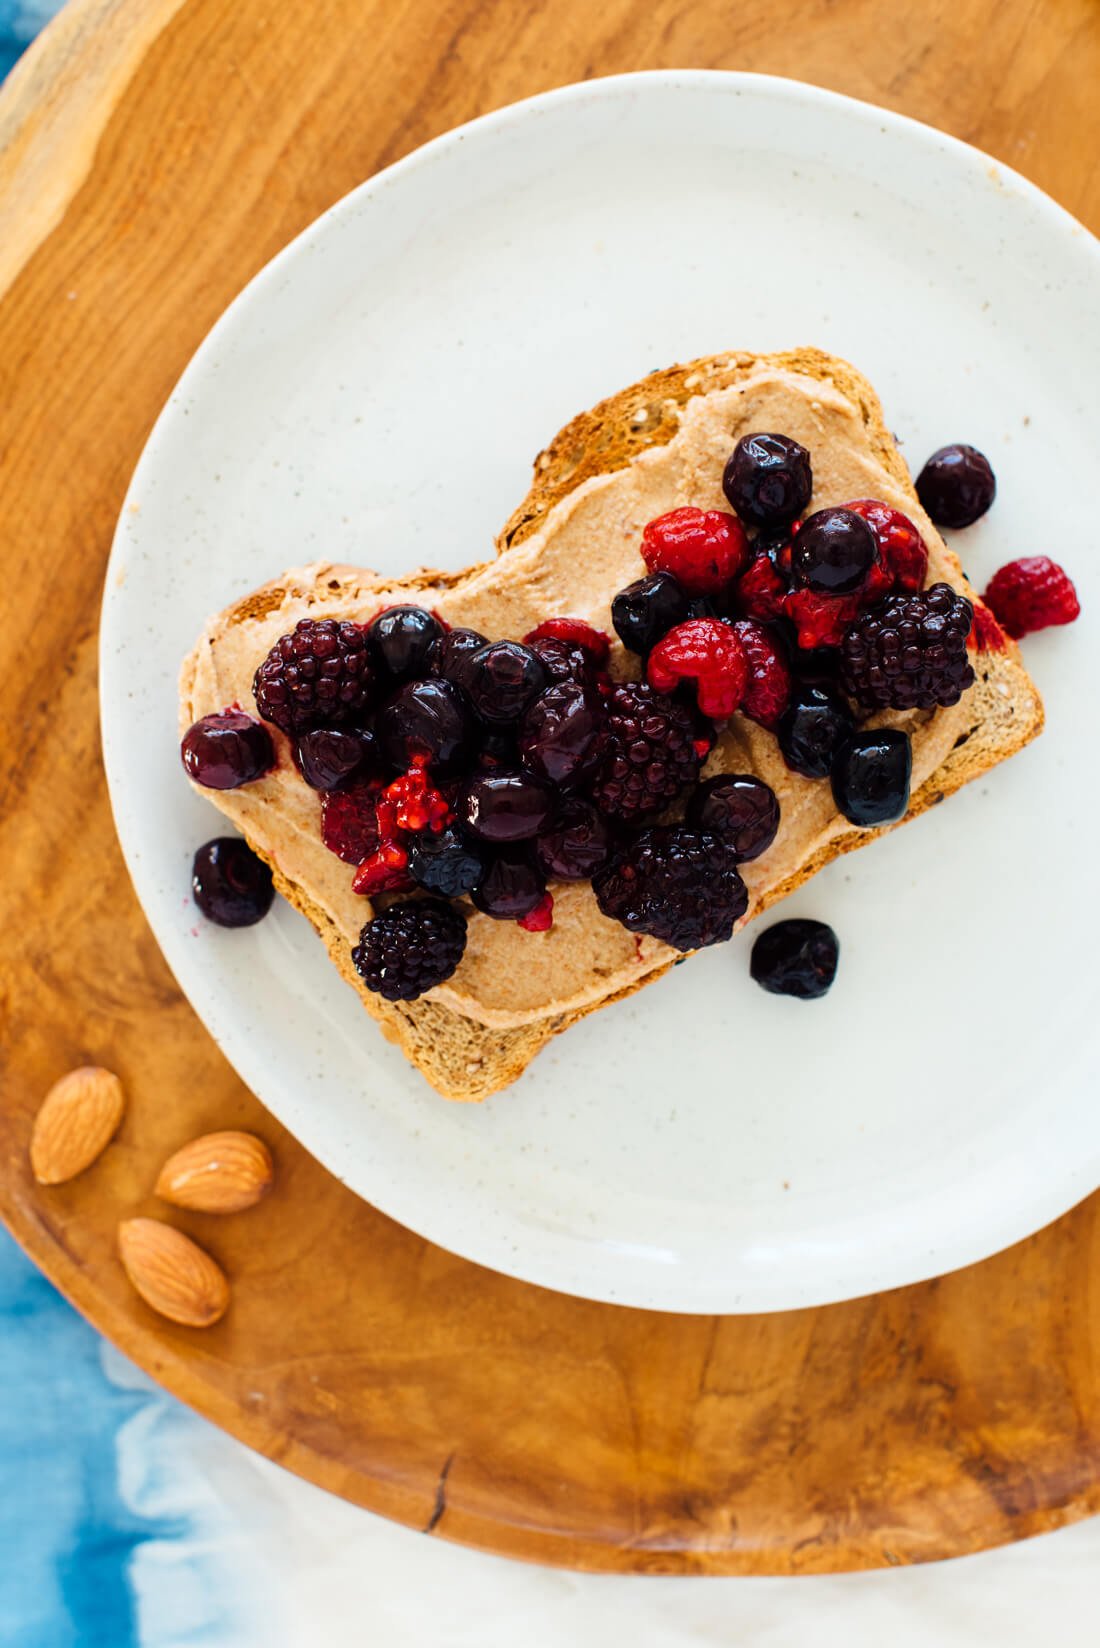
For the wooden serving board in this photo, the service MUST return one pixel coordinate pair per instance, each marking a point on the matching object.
(153, 155)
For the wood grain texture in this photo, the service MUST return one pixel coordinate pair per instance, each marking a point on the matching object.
(153, 155)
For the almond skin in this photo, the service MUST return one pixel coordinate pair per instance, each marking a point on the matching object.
(172, 1273)
(218, 1173)
(77, 1120)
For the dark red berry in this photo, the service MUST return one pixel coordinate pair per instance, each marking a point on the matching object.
(411, 804)
(871, 774)
(224, 751)
(231, 886)
(677, 885)
(496, 750)
(576, 844)
(450, 863)
(575, 633)
(704, 549)
(769, 686)
(813, 729)
(706, 652)
(427, 722)
(647, 609)
(385, 871)
(450, 655)
(903, 553)
(909, 652)
(768, 480)
(503, 678)
(410, 948)
(565, 662)
(762, 590)
(986, 634)
(741, 809)
(511, 887)
(328, 756)
(956, 485)
(1030, 594)
(833, 552)
(820, 620)
(318, 674)
(506, 806)
(349, 821)
(563, 734)
(796, 958)
(653, 751)
(401, 641)
(541, 918)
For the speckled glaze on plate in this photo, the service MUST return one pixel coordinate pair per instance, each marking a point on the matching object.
(376, 396)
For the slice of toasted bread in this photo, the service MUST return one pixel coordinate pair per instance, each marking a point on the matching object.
(458, 1052)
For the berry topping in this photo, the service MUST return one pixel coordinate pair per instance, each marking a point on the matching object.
(541, 918)
(231, 886)
(401, 641)
(223, 751)
(871, 776)
(563, 733)
(704, 548)
(816, 724)
(563, 661)
(820, 620)
(768, 480)
(956, 485)
(576, 844)
(498, 749)
(986, 634)
(427, 722)
(320, 672)
(503, 678)
(795, 958)
(506, 806)
(708, 652)
(575, 633)
(647, 609)
(328, 755)
(1032, 594)
(909, 652)
(409, 948)
(450, 654)
(449, 863)
(903, 553)
(385, 871)
(510, 888)
(769, 690)
(349, 821)
(678, 885)
(833, 552)
(651, 752)
(411, 803)
(762, 590)
(739, 808)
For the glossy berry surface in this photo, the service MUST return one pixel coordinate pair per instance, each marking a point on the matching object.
(576, 844)
(903, 553)
(768, 480)
(655, 747)
(871, 775)
(450, 863)
(451, 653)
(739, 808)
(385, 871)
(224, 751)
(819, 620)
(506, 806)
(328, 756)
(541, 918)
(503, 678)
(704, 548)
(833, 552)
(409, 948)
(511, 887)
(813, 729)
(909, 652)
(401, 641)
(708, 654)
(678, 885)
(349, 821)
(563, 734)
(319, 674)
(647, 609)
(1032, 594)
(231, 886)
(796, 958)
(565, 662)
(957, 485)
(768, 691)
(762, 589)
(427, 721)
(575, 633)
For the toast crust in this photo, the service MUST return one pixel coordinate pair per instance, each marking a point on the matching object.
(463, 1058)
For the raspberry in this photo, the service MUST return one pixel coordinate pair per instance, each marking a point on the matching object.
(909, 652)
(651, 753)
(769, 690)
(349, 821)
(820, 620)
(706, 651)
(409, 948)
(678, 885)
(385, 871)
(704, 549)
(762, 590)
(576, 633)
(902, 550)
(541, 918)
(320, 672)
(986, 635)
(1032, 594)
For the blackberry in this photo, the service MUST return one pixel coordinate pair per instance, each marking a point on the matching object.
(409, 948)
(678, 885)
(909, 652)
(319, 673)
(655, 748)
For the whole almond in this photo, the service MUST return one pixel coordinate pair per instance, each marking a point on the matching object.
(172, 1273)
(77, 1120)
(218, 1173)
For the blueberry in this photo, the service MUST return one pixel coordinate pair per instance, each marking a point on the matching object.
(957, 485)
(833, 552)
(795, 958)
(768, 480)
(577, 843)
(511, 887)
(503, 678)
(221, 752)
(330, 755)
(450, 655)
(563, 660)
(871, 775)
(448, 863)
(427, 721)
(741, 809)
(646, 610)
(401, 639)
(506, 806)
(813, 728)
(232, 887)
(564, 733)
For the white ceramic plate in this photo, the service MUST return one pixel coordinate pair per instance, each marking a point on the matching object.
(376, 395)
